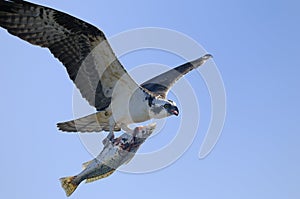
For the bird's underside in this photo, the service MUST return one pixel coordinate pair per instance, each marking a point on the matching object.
(91, 64)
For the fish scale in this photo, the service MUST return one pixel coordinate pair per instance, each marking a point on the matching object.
(115, 153)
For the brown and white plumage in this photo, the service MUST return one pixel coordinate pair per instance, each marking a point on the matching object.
(69, 39)
(161, 84)
(93, 67)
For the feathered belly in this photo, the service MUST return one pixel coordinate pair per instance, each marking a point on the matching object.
(130, 111)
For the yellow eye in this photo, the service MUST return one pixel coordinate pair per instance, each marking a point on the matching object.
(166, 106)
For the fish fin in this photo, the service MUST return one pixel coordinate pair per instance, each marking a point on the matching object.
(88, 180)
(84, 165)
(68, 185)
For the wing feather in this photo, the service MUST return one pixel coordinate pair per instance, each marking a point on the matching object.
(161, 84)
(77, 44)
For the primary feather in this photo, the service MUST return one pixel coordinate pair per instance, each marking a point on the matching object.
(92, 65)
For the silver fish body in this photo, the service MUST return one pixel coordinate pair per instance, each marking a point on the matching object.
(115, 153)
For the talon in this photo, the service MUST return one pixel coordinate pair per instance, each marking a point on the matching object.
(110, 136)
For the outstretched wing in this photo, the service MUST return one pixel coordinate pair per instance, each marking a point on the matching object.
(161, 84)
(81, 47)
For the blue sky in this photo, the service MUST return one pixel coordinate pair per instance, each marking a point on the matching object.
(255, 46)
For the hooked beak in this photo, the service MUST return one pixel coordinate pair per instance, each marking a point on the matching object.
(175, 111)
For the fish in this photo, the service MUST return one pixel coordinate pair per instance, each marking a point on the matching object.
(115, 152)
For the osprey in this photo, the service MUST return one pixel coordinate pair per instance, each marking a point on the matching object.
(92, 65)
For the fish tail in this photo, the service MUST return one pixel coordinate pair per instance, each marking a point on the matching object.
(68, 184)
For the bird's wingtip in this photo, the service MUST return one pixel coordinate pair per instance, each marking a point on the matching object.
(208, 56)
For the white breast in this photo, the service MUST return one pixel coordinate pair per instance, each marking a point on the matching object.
(138, 107)
(132, 108)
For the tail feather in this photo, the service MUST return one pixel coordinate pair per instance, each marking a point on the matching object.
(95, 122)
(68, 184)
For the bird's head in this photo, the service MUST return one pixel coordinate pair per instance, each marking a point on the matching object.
(161, 108)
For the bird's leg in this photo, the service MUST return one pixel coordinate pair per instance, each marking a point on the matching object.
(111, 134)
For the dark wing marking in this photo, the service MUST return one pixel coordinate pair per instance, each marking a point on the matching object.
(70, 40)
(161, 84)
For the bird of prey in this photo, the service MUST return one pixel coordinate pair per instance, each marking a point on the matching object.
(93, 67)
